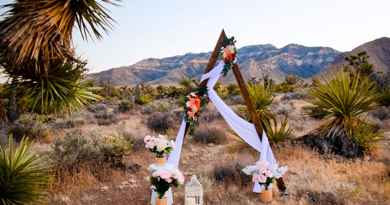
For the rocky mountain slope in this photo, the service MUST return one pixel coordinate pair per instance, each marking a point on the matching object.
(255, 61)
(378, 50)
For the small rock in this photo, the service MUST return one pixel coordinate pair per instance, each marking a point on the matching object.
(104, 188)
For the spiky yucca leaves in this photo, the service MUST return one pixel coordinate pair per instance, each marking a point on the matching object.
(24, 176)
(262, 99)
(278, 132)
(343, 100)
(38, 31)
(62, 90)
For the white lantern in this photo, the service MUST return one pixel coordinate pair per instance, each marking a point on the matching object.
(193, 192)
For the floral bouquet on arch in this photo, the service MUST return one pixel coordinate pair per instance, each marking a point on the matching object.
(164, 178)
(264, 173)
(159, 145)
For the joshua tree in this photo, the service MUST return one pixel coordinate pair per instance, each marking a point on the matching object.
(36, 50)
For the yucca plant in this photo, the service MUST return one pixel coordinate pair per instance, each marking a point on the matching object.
(62, 90)
(36, 50)
(278, 132)
(24, 176)
(262, 98)
(343, 100)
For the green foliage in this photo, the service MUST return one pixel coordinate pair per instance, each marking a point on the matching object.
(277, 133)
(222, 90)
(125, 106)
(345, 97)
(143, 99)
(284, 88)
(365, 134)
(360, 63)
(342, 100)
(315, 112)
(62, 90)
(114, 148)
(37, 51)
(31, 126)
(384, 98)
(262, 99)
(76, 150)
(24, 176)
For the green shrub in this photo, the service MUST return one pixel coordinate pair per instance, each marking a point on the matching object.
(143, 99)
(208, 135)
(29, 126)
(24, 176)
(366, 134)
(284, 88)
(277, 133)
(160, 122)
(114, 148)
(314, 112)
(76, 150)
(125, 106)
(384, 98)
(106, 117)
(262, 98)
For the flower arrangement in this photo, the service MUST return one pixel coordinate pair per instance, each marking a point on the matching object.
(264, 173)
(164, 178)
(159, 145)
(228, 52)
(193, 105)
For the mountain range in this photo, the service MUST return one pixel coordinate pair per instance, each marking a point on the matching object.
(255, 61)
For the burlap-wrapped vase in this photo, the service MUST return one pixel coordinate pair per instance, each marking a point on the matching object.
(266, 195)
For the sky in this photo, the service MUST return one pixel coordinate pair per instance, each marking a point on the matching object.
(162, 28)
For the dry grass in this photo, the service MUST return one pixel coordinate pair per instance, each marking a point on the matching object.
(312, 178)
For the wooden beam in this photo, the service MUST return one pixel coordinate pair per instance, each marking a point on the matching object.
(252, 111)
(248, 101)
(214, 56)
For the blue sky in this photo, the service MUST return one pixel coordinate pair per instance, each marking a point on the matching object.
(161, 28)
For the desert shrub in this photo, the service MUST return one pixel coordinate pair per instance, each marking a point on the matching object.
(231, 173)
(71, 122)
(114, 148)
(143, 99)
(344, 99)
(98, 107)
(233, 89)
(24, 175)
(73, 151)
(159, 106)
(209, 115)
(293, 96)
(3, 111)
(382, 113)
(365, 134)
(106, 117)
(208, 135)
(76, 150)
(29, 126)
(278, 132)
(283, 88)
(125, 106)
(291, 79)
(160, 122)
(384, 98)
(222, 90)
(262, 98)
(314, 112)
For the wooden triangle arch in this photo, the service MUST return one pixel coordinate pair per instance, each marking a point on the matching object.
(244, 92)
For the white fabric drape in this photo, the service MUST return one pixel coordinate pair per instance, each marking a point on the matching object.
(244, 129)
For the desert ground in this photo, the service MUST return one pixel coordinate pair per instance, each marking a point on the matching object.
(312, 178)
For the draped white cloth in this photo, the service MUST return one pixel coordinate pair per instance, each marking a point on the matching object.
(244, 129)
